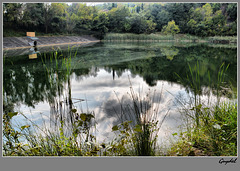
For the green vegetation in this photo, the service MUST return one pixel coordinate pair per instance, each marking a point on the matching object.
(199, 19)
(210, 129)
(216, 138)
(160, 37)
(45, 142)
(136, 37)
(224, 40)
(153, 37)
(139, 126)
(171, 28)
(216, 134)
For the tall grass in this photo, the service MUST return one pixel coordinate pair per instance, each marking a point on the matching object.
(136, 37)
(33, 140)
(157, 37)
(206, 122)
(217, 137)
(140, 123)
(223, 39)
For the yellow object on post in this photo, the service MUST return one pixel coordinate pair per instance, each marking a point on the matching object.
(31, 34)
(33, 56)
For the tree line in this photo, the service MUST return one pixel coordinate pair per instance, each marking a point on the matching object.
(200, 19)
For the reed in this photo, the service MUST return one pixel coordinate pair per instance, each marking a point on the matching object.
(136, 37)
(206, 123)
(223, 39)
(140, 124)
(157, 37)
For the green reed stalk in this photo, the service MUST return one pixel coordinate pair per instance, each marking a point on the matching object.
(143, 113)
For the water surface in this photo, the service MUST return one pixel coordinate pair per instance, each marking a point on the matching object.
(99, 77)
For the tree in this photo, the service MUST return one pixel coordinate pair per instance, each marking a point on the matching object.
(192, 25)
(47, 16)
(216, 7)
(58, 22)
(201, 19)
(100, 23)
(12, 14)
(33, 16)
(171, 28)
(218, 23)
(71, 22)
(114, 5)
(118, 19)
(162, 19)
(151, 26)
(142, 7)
(232, 12)
(138, 9)
(180, 13)
(207, 11)
(85, 14)
(139, 24)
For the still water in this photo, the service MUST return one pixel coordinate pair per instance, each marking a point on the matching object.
(98, 79)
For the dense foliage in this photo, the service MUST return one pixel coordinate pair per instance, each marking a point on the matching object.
(201, 19)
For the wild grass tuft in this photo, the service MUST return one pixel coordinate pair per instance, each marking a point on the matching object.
(140, 123)
(210, 128)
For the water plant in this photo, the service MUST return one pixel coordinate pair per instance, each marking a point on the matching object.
(33, 140)
(205, 128)
(140, 124)
(216, 138)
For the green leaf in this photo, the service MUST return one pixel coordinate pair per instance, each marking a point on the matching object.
(115, 128)
(12, 114)
(137, 128)
(83, 116)
(90, 116)
(80, 123)
(199, 106)
(74, 110)
(25, 126)
(174, 134)
(125, 125)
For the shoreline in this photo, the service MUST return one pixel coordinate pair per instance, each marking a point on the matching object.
(23, 42)
(67, 43)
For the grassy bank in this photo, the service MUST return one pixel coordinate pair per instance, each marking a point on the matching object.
(146, 37)
(223, 40)
(216, 137)
(128, 37)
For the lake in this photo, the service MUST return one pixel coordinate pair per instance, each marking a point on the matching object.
(98, 79)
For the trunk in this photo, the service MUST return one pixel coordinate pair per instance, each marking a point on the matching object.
(46, 29)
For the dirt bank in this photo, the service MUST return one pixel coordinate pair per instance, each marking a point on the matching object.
(16, 46)
(23, 42)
